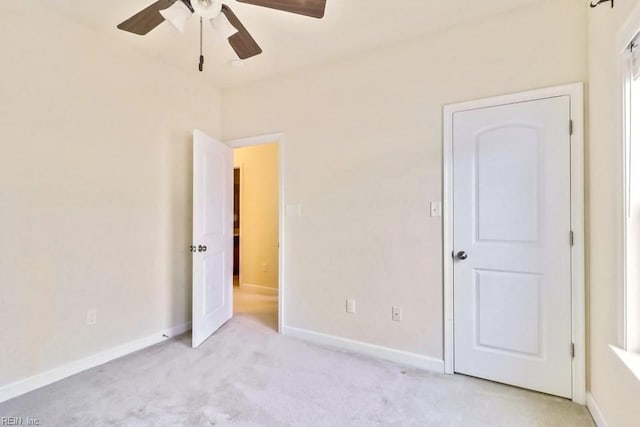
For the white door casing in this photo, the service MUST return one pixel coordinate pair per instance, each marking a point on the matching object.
(212, 236)
(512, 217)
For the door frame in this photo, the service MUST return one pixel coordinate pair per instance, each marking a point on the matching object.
(241, 169)
(578, 300)
(272, 138)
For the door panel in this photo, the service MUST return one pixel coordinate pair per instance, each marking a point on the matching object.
(213, 236)
(213, 269)
(521, 314)
(512, 216)
(214, 178)
(509, 174)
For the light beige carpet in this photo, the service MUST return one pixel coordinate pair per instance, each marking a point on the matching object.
(260, 305)
(247, 375)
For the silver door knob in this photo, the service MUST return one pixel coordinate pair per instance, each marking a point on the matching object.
(462, 255)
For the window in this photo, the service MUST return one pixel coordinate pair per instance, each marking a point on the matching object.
(631, 65)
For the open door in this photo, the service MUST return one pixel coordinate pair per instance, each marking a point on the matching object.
(212, 236)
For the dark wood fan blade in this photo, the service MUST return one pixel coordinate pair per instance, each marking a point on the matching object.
(143, 22)
(242, 42)
(313, 8)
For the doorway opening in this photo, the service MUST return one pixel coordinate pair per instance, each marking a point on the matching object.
(256, 230)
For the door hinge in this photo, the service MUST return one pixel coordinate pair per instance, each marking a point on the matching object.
(571, 238)
(570, 127)
(573, 350)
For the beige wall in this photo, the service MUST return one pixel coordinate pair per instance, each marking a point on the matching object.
(95, 181)
(259, 214)
(615, 389)
(95, 190)
(363, 158)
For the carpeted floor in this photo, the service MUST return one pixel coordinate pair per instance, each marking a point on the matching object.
(262, 306)
(247, 375)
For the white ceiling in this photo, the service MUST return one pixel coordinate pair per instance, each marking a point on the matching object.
(289, 41)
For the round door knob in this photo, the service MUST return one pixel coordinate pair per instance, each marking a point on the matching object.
(462, 255)
(202, 248)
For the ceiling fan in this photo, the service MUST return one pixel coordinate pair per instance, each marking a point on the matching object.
(222, 19)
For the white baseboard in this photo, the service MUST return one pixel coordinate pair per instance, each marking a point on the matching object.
(260, 288)
(595, 411)
(34, 382)
(398, 356)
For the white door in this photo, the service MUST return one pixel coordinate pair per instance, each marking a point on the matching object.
(212, 236)
(512, 244)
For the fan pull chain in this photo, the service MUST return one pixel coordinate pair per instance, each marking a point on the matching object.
(201, 66)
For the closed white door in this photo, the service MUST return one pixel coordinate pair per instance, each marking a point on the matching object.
(212, 236)
(512, 244)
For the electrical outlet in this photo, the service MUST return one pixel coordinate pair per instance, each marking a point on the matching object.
(351, 306)
(92, 317)
(265, 267)
(396, 314)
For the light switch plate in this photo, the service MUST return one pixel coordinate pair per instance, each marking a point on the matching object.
(436, 209)
(351, 305)
(294, 210)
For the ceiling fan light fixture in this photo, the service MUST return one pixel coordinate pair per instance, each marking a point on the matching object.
(227, 26)
(177, 15)
(207, 9)
(223, 27)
